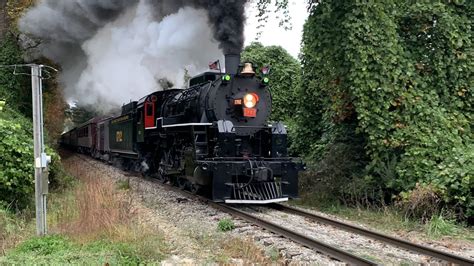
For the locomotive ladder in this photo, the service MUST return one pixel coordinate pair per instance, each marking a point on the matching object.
(200, 141)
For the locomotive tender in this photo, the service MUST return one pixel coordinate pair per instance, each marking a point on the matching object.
(213, 136)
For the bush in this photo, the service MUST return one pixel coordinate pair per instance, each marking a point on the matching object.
(16, 161)
(422, 202)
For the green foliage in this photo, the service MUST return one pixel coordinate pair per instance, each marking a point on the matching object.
(284, 76)
(398, 77)
(15, 89)
(57, 250)
(44, 245)
(123, 184)
(439, 226)
(225, 225)
(16, 161)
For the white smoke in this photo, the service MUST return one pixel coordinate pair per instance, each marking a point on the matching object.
(125, 59)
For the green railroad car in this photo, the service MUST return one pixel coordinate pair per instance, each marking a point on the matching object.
(123, 132)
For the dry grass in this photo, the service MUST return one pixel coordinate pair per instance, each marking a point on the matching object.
(423, 202)
(246, 250)
(13, 230)
(95, 208)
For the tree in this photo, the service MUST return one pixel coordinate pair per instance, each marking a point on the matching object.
(284, 76)
(4, 19)
(16, 89)
(396, 78)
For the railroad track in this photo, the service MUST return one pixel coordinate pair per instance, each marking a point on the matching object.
(331, 251)
(324, 248)
(314, 244)
(395, 241)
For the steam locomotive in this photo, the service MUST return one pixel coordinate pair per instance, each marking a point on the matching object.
(213, 137)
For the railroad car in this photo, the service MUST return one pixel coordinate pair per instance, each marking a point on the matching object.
(101, 149)
(214, 137)
(87, 136)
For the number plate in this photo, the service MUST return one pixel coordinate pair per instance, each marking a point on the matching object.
(250, 112)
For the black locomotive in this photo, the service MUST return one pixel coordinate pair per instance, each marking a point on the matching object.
(213, 136)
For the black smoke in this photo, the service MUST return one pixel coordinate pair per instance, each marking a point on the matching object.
(226, 17)
(67, 24)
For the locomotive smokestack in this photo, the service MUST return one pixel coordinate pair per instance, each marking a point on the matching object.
(232, 62)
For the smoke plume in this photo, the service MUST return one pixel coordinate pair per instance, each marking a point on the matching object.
(113, 51)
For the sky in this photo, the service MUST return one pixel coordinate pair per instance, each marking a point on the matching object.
(275, 35)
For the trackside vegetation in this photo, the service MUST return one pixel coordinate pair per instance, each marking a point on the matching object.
(379, 104)
(386, 112)
(285, 73)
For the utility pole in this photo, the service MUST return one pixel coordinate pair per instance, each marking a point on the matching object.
(41, 159)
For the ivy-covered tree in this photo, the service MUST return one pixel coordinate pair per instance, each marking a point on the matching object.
(393, 81)
(16, 89)
(285, 73)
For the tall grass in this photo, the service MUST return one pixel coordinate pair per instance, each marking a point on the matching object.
(101, 207)
(90, 223)
(13, 229)
(95, 207)
(439, 226)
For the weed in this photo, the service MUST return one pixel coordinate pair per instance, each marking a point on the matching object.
(247, 251)
(58, 250)
(225, 225)
(123, 184)
(273, 254)
(13, 229)
(44, 245)
(439, 226)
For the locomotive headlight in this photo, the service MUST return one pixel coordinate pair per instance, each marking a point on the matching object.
(250, 100)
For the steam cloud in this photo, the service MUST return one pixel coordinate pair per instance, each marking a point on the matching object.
(113, 51)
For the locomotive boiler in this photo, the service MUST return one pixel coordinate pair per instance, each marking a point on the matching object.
(213, 137)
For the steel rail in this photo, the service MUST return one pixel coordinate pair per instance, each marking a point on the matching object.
(306, 241)
(395, 241)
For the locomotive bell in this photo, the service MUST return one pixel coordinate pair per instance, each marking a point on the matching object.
(247, 70)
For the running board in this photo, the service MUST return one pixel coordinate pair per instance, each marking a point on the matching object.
(233, 201)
